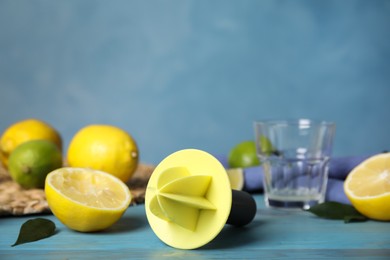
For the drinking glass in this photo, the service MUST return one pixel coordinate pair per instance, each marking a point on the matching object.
(294, 155)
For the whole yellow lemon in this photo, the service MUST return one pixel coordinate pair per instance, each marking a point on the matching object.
(23, 131)
(106, 148)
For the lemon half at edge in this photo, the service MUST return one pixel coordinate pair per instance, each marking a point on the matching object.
(368, 187)
(86, 200)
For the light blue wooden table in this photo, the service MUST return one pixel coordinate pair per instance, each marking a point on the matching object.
(273, 234)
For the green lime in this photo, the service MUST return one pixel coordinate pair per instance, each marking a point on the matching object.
(266, 146)
(31, 161)
(243, 155)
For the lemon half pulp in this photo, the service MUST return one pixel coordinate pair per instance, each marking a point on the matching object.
(236, 178)
(368, 187)
(86, 200)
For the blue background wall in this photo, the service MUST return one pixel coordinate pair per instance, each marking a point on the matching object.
(180, 74)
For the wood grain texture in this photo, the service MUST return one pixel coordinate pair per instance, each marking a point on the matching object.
(273, 234)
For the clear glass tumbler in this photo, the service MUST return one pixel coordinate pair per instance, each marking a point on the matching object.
(294, 155)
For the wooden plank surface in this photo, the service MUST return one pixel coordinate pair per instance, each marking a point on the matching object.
(273, 234)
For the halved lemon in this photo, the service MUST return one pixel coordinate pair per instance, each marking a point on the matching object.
(86, 200)
(236, 178)
(368, 187)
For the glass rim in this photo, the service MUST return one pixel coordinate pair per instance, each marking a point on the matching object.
(294, 122)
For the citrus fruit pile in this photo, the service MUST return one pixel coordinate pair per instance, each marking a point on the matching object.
(23, 131)
(91, 193)
(30, 149)
(368, 187)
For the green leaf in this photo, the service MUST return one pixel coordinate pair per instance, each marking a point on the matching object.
(336, 210)
(35, 229)
(355, 218)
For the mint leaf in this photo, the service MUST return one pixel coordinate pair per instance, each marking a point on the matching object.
(35, 229)
(336, 210)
